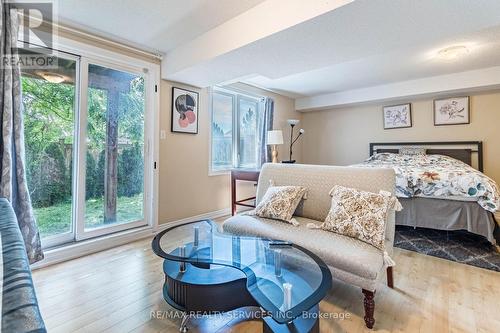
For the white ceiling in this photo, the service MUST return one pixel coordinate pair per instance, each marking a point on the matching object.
(395, 65)
(360, 44)
(366, 42)
(158, 25)
(385, 44)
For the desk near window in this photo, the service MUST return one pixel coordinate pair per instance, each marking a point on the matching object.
(250, 175)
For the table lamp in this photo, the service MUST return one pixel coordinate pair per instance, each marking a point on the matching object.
(275, 138)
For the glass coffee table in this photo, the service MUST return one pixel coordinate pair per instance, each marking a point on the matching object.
(208, 271)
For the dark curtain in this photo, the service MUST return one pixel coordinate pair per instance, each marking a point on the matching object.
(267, 125)
(13, 184)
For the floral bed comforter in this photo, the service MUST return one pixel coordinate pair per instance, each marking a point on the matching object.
(438, 176)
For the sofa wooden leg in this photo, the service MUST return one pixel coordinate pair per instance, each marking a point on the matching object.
(390, 277)
(369, 308)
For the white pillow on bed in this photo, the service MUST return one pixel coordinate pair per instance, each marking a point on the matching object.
(412, 151)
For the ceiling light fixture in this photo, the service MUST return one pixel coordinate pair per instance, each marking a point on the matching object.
(453, 52)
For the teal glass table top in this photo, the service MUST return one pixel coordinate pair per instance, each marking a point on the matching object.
(283, 278)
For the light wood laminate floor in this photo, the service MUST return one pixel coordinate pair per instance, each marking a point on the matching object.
(119, 290)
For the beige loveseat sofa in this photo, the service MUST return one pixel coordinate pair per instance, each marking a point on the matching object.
(349, 259)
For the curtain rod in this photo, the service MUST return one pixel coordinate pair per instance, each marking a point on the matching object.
(156, 55)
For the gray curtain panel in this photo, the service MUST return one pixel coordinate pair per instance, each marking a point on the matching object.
(267, 125)
(13, 185)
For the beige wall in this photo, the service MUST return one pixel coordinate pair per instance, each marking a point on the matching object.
(185, 188)
(341, 136)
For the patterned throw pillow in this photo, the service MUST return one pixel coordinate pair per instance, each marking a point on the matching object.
(280, 202)
(412, 151)
(360, 214)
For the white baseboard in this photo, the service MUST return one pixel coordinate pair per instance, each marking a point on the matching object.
(210, 215)
(86, 247)
(89, 246)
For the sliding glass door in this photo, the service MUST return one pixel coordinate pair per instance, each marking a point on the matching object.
(50, 107)
(85, 125)
(114, 184)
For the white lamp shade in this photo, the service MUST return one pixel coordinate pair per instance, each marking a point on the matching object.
(274, 137)
(293, 122)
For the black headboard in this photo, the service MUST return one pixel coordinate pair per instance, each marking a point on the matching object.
(446, 148)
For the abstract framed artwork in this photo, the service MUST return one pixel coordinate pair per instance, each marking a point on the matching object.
(452, 111)
(397, 116)
(184, 111)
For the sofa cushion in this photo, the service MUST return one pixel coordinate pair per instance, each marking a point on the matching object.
(359, 214)
(319, 180)
(280, 202)
(337, 251)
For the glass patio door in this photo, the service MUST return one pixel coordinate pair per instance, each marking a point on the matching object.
(87, 144)
(113, 127)
(50, 105)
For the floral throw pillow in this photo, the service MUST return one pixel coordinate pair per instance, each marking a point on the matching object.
(360, 214)
(280, 202)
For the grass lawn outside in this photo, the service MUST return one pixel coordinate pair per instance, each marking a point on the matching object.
(56, 219)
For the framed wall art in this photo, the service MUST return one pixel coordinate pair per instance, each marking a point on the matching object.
(184, 111)
(452, 111)
(397, 116)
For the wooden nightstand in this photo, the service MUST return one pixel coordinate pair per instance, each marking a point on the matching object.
(249, 175)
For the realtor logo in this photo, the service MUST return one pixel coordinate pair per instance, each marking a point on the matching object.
(36, 23)
(36, 34)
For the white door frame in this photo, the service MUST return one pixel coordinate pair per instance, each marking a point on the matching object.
(151, 72)
(81, 232)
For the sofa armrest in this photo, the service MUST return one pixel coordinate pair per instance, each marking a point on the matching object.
(20, 312)
(390, 230)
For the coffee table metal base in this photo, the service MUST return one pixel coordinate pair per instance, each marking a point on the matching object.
(221, 289)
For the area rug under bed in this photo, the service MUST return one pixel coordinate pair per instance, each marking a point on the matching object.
(459, 246)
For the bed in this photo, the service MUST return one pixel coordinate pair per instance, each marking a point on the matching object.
(441, 185)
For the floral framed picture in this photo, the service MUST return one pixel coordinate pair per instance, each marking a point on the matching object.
(452, 111)
(184, 111)
(397, 116)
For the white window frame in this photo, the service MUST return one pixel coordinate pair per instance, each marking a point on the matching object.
(237, 95)
(90, 54)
